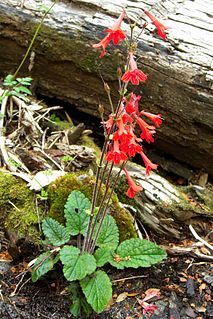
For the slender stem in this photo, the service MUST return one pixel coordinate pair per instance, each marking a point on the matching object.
(94, 195)
(100, 209)
(91, 250)
(33, 40)
(110, 101)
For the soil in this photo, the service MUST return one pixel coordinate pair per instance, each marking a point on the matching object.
(185, 286)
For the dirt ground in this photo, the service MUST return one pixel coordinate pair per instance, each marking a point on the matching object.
(184, 283)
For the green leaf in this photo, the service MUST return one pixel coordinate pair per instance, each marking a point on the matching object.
(109, 234)
(103, 255)
(23, 89)
(137, 253)
(76, 266)
(25, 81)
(98, 290)
(78, 300)
(76, 218)
(56, 233)
(9, 80)
(43, 264)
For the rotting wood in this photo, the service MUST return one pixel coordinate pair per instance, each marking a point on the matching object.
(180, 71)
(167, 209)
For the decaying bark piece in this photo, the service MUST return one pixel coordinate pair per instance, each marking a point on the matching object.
(179, 71)
(166, 208)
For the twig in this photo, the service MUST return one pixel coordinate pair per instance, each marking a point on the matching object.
(199, 238)
(43, 139)
(129, 278)
(49, 157)
(3, 149)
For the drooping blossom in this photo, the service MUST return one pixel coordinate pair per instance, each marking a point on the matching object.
(147, 130)
(133, 188)
(115, 34)
(109, 123)
(133, 74)
(160, 26)
(115, 154)
(148, 164)
(132, 104)
(156, 119)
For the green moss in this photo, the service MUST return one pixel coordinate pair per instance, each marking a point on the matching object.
(59, 191)
(17, 207)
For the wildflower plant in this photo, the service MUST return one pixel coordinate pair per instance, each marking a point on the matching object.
(90, 237)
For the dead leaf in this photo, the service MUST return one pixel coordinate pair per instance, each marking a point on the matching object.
(207, 297)
(5, 257)
(202, 287)
(122, 297)
(151, 293)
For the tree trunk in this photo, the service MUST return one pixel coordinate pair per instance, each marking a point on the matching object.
(179, 71)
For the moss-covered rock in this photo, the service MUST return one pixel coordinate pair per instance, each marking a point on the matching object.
(59, 191)
(17, 207)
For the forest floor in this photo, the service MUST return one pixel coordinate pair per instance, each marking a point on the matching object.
(183, 285)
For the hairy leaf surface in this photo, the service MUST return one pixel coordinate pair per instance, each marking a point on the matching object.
(75, 213)
(137, 253)
(43, 264)
(57, 234)
(98, 290)
(109, 234)
(76, 266)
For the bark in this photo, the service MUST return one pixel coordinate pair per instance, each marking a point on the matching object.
(179, 71)
(166, 209)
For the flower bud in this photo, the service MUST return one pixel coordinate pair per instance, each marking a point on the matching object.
(101, 109)
(119, 72)
(106, 87)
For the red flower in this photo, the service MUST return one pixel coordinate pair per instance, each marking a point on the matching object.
(156, 119)
(115, 155)
(160, 27)
(149, 165)
(115, 34)
(133, 188)
(109, 123)
(132, 104)
(147, 130)
(134, 74)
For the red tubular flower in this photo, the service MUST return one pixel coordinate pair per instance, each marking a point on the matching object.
(156, 119)
(132, 104)
(134, 74)
(149, 165)
(109, 123)
(160, 27)
(115, 155)
(133, 188)
(115, 34)
(147, 130)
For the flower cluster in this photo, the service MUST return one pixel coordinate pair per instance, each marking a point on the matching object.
(124, 143)
(122, 124)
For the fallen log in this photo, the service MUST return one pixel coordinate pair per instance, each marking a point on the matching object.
(166, 209)
(66, 67)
